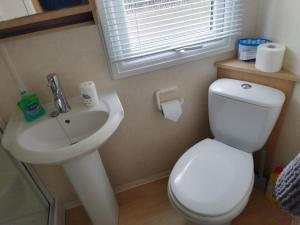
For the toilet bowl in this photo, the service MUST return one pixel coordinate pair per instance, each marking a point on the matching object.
(212, 181)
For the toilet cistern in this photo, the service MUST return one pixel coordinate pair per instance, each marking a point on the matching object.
(60, 101)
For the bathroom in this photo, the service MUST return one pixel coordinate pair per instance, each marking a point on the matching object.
(141, 153)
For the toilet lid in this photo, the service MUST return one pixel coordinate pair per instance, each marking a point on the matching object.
(212, 178)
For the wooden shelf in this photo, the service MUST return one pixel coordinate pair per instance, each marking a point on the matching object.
(237, 65)
(69, 17)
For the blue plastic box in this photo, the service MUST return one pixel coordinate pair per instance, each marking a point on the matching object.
(248, 48)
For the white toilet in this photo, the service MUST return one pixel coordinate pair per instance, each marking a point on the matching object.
(211, 183)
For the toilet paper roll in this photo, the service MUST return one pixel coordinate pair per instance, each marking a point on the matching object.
(89, 93)
(172, 110)
(269, 57)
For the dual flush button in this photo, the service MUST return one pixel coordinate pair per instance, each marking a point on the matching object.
(246, 86)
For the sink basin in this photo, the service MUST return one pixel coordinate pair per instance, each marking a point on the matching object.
(70, 135)
(73, 139)
(61, 136)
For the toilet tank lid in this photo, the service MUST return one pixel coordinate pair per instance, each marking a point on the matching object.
(248, 92)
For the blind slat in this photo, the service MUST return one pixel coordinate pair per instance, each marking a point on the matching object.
(161, 33)
(128, 24)
(137, 28)
(167, 5)
(181, 8)
(162, 28)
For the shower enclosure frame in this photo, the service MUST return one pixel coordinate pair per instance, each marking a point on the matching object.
(56, 213)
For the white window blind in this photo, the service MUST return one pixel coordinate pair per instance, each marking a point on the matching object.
(139, 28)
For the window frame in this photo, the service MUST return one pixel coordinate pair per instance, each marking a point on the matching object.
(166, 59)
(125, 69)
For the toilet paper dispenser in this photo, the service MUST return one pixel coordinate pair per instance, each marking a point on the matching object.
(172, 109)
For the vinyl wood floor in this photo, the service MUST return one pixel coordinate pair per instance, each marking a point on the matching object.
(149, 205)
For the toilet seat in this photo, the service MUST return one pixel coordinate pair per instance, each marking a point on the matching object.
(211, 179)
(207, 220)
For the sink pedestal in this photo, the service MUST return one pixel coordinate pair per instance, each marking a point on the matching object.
(90, 181)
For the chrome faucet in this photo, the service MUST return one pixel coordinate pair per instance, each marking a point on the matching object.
(60, 101)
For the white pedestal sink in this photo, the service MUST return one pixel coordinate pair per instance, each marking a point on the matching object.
(73, 139)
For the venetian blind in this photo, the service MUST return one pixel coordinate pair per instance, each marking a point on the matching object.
(137, 28)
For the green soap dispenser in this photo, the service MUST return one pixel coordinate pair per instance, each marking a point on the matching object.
(30, 106)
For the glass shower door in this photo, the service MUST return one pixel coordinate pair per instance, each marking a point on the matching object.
(21, 200)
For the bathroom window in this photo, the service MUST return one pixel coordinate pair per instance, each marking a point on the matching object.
(144, 35)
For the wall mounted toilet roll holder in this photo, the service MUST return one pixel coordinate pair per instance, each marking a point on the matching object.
(164, 91)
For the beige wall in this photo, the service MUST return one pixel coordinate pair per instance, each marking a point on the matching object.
(145, 144)
(280, 21)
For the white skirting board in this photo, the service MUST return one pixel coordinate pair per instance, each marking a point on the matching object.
(142, 181)
(72, 204)
(125, 187)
